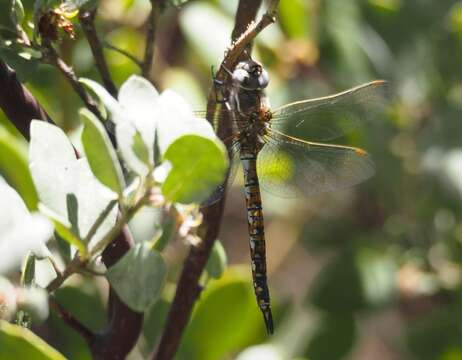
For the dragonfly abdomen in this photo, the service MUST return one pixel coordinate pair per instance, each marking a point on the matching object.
(256, 235)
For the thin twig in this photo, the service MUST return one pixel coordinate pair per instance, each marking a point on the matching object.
(52, 57)
(109, 46)
(157, 7)
(188, 288)
(70, 269)
(87, 20)
(123, 219)
(94, 228)
(70, 320)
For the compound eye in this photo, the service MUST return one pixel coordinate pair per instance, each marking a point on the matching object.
(240, 76)
(263, 79)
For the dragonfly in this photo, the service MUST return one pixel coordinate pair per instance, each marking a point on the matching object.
(286, 150)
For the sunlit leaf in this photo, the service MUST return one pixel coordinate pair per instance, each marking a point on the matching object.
(28, 270)
(100, 154)
(17, 342)
(66, 185)
(20, 231)
(176, 119)
(198, 166)
(14, 167)
(229, 304)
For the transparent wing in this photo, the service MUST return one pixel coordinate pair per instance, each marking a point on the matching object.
(289, 167)
(330, 117)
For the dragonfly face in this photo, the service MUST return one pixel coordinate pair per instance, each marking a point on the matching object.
(250, 75)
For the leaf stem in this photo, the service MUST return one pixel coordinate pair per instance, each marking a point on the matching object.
(109, 46)
(94, 228)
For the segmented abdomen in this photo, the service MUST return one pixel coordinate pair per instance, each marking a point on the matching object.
(256, 235)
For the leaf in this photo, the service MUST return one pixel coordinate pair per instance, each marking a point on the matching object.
(111, 104)
(100, 154)
(139, 99)
(228, 304)
(20, 232)
(168, 229)
(338, 288)
(20, 59)
(140, 149)
(28, 270)
(17, 342)
(64, 229)
(138, 277)
(177, 119)
(130, 148)
(14, 167)
(198, 166)
(17, 12)
(135, 112)
(66, 185)
(333, 338)
(218, 261)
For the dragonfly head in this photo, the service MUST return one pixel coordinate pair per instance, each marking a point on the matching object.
(250, 75)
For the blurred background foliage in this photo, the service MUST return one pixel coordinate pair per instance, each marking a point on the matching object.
(369, 273)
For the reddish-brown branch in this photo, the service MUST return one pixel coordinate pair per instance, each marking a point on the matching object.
(124, 324)
(70, 320)
(188, 288)
(18, 104)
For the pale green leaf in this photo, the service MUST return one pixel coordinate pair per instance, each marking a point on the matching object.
(66, 185)
(138, 277)
(218, 261)
(101, 156)
(17, 342)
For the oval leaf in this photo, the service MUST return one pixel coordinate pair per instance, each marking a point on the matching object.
(17, 342)
(14, 167)
(20, 232)
(66, 185)
(100, 154)
(218, 261)
(138, 277)
(198, 165)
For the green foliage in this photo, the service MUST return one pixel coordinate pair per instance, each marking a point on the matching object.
(21, 231)
(217, 262)
(66, 185)
(20, 343)
(333, 338)
(226, 305)
(198, 166)
(28, 270)
(101, 155)
(13, 166)
(393, 243)
(138, 277)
